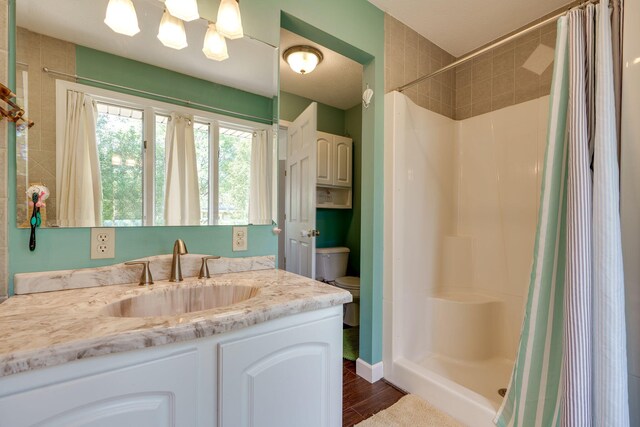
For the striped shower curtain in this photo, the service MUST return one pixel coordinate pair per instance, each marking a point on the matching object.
(571, 363)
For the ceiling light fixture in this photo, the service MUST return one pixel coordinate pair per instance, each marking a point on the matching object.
(229, 21)
(121, 17)
(303, 59)
(187, 10)
(171, 32)
(215, 46)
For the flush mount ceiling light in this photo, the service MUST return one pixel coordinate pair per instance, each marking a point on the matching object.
(215, 46)
(187, 10)
(229, 21)
(121, 17)
(171, 32)
(303, 59)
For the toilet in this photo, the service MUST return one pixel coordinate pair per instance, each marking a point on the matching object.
(331, 267)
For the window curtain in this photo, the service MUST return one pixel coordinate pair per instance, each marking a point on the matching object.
(182, 195)
(260, 180)
(78, 180)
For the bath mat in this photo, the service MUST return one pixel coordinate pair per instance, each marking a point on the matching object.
(410, 411)
(351, 343)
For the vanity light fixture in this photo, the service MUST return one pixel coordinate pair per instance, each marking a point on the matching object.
(215, 46)
(121, 17)
(229, 21)
(171, 32)
(303, 59)
(187, 10)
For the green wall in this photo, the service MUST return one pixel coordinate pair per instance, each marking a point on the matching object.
(353, 126)
(353, 28)
(330, 119)
(114, 69)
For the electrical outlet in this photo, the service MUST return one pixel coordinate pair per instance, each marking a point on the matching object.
(240, 237)
(103, 243)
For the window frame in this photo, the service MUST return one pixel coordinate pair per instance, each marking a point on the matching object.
(151, 108)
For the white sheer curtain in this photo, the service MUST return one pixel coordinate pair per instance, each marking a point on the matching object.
(182, 195)
(260, 181)
(78, 180)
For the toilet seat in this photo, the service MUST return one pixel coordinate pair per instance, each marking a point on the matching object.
(348, 282)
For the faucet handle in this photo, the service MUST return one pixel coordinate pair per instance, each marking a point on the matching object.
(204, 268)
(145, 277)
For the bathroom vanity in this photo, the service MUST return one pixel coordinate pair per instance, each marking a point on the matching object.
(270, 355)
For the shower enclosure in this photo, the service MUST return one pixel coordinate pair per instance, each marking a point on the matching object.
(461, 203)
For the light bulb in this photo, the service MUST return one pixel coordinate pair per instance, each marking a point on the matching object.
(187, 10)
(229, 22)
(303, 59)
(171, 32)
(121, 17)
(215, 46)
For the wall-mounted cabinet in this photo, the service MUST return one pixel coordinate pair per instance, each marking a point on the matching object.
(335, 171)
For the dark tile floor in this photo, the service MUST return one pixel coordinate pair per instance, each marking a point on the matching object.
(361, 399)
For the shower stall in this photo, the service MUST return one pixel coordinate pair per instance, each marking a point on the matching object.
(461, 203)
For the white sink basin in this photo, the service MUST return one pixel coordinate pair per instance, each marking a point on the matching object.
(179, 300)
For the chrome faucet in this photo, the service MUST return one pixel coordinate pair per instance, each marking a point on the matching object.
(179, 248)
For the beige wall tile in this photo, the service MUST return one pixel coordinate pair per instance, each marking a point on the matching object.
(523, 52)
(527, 85)
(481, 107)
(463, 96)
(463, 77)
(503, 83)
(435, 91)
(502, 100)
(481, 91)
(435, 106)
(412, 94)
(545, 81)
(549, 38)
(463, 112)
(531, 36)
(424, 89)
(504, 62)
(4, 24)
(481, 70)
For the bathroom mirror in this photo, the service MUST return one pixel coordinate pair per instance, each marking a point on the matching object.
(130, 132)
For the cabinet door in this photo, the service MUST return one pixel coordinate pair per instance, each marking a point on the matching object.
(158, 393)
(288, 378)
(325, 154)
(342, 154)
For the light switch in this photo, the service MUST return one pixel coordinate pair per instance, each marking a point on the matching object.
(240, 237)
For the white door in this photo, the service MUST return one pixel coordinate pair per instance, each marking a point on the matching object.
(300, 205)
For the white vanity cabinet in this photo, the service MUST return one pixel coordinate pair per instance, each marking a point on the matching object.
(284, 372)
(334, 171)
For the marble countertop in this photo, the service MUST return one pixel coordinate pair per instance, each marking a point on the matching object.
(47, 329)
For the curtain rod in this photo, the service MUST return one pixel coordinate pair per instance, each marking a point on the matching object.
(485, 49)
(144, 92)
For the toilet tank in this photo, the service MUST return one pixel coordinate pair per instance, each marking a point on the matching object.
(331, 263)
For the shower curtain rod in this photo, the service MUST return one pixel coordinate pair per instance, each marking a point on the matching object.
(171, 98)
(470, 56)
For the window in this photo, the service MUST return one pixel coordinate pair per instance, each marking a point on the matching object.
(120, 139)
(234, 162)
(131, 137)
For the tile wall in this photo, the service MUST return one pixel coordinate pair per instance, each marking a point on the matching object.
(4, 24)
(497, 79)
(408, 56)
(35, 51)
(492, 81)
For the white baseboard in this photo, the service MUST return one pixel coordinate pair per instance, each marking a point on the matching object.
(371, 373)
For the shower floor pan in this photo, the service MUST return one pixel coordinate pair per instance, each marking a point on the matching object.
(484, 377)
